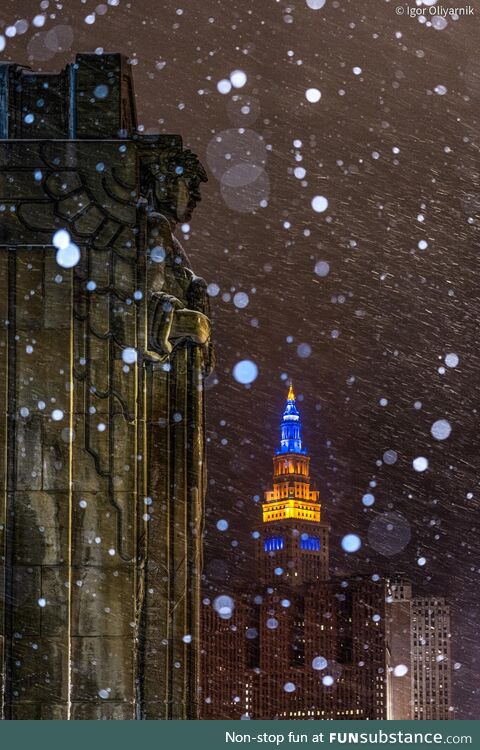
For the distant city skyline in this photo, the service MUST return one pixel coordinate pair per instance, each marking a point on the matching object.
(303, 644)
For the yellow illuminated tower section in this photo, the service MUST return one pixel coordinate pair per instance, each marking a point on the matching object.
(293, 546)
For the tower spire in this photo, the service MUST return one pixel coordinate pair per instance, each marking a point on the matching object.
(291, 427)
(291, 394)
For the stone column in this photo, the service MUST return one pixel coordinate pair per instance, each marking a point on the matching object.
(102, 434)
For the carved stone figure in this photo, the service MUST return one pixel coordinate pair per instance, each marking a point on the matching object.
(171, 186)
(106, 344)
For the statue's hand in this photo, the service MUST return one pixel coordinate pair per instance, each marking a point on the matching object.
(170, 322)
(161, 314)
(169, 303)
(191, 325)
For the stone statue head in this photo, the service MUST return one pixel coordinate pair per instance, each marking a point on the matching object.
(172, 183)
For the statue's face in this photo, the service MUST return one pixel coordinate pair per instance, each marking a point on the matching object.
(183, 209)
(187, 195)
(177, 195)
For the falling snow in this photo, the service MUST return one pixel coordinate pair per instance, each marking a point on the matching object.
(338, 236)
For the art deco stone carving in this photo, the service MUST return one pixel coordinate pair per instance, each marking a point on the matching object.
(102, 413)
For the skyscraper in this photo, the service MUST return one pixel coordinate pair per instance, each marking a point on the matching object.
(419, 638)
(432, 672)
(302, 645)
(399, 649)
(294, 543)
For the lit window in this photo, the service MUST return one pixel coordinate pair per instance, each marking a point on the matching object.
(273, 543)
(311, 543)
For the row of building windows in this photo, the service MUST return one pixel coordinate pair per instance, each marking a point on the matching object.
(311, 543)
(295, 503)
(306, 515)
(347, 712)
(273, 543)
(276, 543)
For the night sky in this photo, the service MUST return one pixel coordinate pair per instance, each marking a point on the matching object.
(361, 303)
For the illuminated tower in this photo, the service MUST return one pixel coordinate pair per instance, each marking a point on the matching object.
(299, 645)
(294, 543)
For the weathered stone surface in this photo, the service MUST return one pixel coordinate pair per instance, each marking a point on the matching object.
(40, 528)
(105, 710)
(40, 670)
(100, 606)
(103, 501)
(47, 711)
(102, 664)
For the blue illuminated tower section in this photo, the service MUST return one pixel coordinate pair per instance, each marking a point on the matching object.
(293, 547)
(291, 428)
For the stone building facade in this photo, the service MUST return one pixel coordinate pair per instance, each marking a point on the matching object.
(105, 346)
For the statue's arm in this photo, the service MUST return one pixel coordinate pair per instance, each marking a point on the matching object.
(169, 318)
